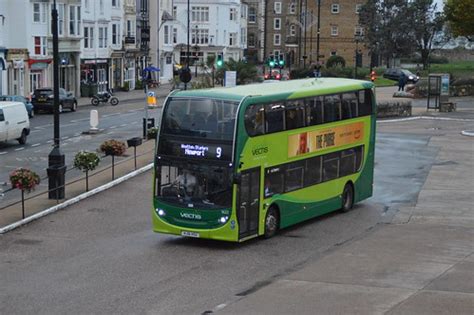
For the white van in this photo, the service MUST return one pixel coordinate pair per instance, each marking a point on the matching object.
(14, 122)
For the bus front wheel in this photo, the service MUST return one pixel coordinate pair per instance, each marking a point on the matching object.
(271, 222)
(347, 198)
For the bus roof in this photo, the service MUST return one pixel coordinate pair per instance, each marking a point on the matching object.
(290, 89)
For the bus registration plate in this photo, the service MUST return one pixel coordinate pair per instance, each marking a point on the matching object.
(190, 234)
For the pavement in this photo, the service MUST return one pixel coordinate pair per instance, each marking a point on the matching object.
(421, 261)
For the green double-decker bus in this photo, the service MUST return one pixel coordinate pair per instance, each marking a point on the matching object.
(237, 163)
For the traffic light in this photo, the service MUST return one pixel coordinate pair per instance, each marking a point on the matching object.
(373, 76)
(220, 60)
(271, 61)
(281, 61)
(277, 60)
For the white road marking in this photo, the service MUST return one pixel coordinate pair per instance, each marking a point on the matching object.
(2, 153)
(109, 133)
(32, 131)
(49, 141)
(38, 151)
(78, 120)
(134, 122)
(36, 144)
(64, 138)
(113, 127)
(19, 149)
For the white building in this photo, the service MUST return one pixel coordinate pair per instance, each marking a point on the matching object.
(161, 55)
(27, 29)
(215, 27)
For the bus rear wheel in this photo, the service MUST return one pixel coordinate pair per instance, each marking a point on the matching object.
(347, 198)
(271, 222)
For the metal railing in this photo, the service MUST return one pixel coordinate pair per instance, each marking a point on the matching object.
(85, 177)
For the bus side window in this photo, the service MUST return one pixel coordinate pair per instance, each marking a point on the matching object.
(294, 176)
(274, 179)
(365, 103)
(294, 115)
(254, 120)
(330, 166)
(348, 106)
(274, 117)
(329, 109)
(348, 162)
(312, 172)
(314, 111)
(359, 152)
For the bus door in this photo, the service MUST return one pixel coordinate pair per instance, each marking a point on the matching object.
(248, 202)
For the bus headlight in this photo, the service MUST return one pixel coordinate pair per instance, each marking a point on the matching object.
(160, 212)
(223, 220)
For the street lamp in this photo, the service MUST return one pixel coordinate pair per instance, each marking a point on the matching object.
(56, 165)
(357, 38)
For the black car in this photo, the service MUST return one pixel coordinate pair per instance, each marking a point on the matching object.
(42, 99)
(395, 73)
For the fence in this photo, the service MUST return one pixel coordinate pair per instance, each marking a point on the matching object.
(36, 202)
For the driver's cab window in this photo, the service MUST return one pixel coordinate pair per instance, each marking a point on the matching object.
(2, 117)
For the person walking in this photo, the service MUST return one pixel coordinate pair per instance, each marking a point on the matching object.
(402, 81)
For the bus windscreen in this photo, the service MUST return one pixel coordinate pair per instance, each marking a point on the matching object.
(200, 118)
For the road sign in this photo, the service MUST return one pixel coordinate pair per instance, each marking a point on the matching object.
(230, 78)
(151, 99)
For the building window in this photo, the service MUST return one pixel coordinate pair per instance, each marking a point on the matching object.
(252, 15)
(200, 37)
(292, 30)
(277, 7)
(292, 8)
(40, 11)
(251, 40)
(175, 12)
(60, 8)
(358, 31)
(86, 5)
(115, 34)
(277, 23)
(88, 37)
(103, 37)
(130, 28)
(74, 20)
(243, 35)
(175, 35)
(166, 39)
(358, 8)
(243, 13)
(276, 53)
(334, 30)
(40, 45)
(233, 13)
(200, 14)
(101, 6)
(116, 3)
(333, 53)
(233, 39)
(334, 8)
(276, 39)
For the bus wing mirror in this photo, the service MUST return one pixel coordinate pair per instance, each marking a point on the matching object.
(237, 179)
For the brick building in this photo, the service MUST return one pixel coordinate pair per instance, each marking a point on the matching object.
(291, 29)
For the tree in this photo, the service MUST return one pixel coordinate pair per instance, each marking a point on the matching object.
(387, 28)
(427, 23)
(245, 72)
(460, 17)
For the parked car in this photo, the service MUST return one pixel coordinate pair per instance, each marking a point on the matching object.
(14, 122)
(395, 73)
(17, 98)
(42, 99)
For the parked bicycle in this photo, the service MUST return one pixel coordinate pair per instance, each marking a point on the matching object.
(104, 97)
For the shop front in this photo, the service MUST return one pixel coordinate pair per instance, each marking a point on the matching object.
(16, 60)
(117, 70)
(68, 72)
(94, 76)
(130, 70)
(3, 71)
(38, 74)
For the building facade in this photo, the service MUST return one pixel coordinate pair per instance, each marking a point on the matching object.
(216, 27)
(161, 27)
(291, 28)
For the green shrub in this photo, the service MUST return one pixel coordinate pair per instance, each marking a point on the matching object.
(152, 133)
(335, 61)
(86, 161)
(337, 72)
(300, 73)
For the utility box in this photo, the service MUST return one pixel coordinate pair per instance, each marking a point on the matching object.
(438, 92)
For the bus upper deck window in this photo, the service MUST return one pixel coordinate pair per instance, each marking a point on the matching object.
(274, 117)
(254, 120)
(294, 115)
(314, 111)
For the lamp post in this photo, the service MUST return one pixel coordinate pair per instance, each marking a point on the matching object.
(318, 33)
(357, 39)
(56, 166)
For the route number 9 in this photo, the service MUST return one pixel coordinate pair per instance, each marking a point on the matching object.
(218, 152)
